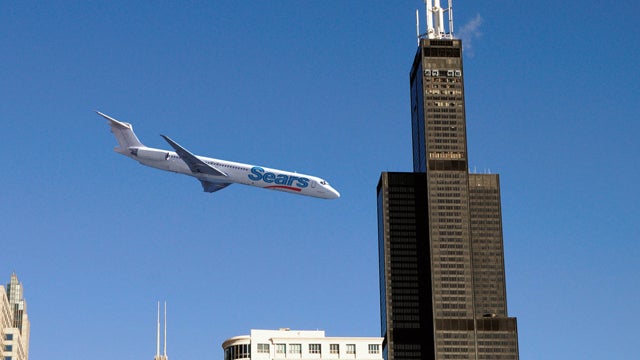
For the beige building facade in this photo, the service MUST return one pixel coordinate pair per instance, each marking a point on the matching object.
(14, 322)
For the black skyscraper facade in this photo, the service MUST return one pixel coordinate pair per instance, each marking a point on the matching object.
(442, 281)
(405, 275)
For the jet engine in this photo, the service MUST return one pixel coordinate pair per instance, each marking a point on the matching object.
(149, 154)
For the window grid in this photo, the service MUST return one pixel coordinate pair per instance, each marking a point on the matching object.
(351, 348)
(314, 349)
(263, 348)
(295, 348)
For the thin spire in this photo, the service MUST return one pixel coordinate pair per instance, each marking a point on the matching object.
(164, 350)
(165, 331)
(158, 333)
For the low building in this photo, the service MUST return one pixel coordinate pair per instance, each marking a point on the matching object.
(300, 344)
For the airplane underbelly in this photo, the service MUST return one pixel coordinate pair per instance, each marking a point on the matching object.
(178, 166)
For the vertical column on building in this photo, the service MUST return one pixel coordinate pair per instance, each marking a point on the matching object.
(405, 276)
(439, 140)
(497, 336)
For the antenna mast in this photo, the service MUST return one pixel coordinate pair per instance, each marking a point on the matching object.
(164, 353)
(435, 20)
(450, 12)
(418, 26)
(158, 334)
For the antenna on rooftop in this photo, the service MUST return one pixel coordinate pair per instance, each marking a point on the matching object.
(418, 26)
(435, 20)
(158, 333)
(164, 354)
(450, 13)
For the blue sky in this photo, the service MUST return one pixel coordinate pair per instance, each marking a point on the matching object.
(319, 87)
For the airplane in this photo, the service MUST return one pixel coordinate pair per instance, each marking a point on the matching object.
(215, 174)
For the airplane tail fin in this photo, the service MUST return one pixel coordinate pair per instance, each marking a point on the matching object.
(124, 134)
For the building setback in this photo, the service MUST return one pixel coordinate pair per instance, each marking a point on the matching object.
(442, 277)
(14, 322)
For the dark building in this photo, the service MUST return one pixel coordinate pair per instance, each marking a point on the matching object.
(442, 280)
(406, 303)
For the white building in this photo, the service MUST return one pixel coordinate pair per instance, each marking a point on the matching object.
(14, 322)
(285, 344)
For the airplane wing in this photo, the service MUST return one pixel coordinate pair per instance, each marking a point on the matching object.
(209, 186)
(196, 165)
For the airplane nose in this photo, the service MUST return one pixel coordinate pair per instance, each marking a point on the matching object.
(335, 194)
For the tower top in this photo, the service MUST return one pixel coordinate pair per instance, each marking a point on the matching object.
(435, 21)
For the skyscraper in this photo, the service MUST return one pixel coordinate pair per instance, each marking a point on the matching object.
(443, 292)
(14, 322)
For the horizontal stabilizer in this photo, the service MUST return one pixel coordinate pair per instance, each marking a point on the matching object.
(112, 121)
(209, 186)
(124, 134)
(194, 163)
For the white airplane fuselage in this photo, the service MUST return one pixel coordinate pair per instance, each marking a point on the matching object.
(216, 174)
(238, 173)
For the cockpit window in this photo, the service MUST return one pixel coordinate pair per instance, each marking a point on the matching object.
(322, 182)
